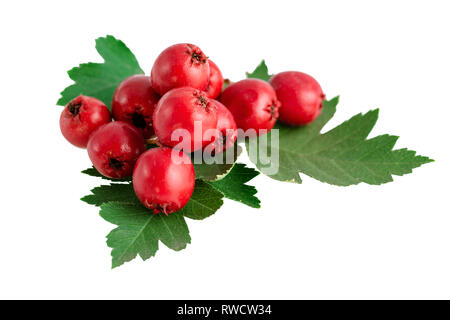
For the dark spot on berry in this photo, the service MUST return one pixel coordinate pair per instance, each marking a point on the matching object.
(138, 120)
(74, 108)
(157, 208)
(115, 164)
(274, 109)
(196, 55)
(162, 208)
(202, 99)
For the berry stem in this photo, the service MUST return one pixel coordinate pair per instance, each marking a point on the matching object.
(153, 140)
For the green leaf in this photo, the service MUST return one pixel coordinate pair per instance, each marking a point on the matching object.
(94, 173)
(139, 231)
(215, 171)
(261, 72)
(233, 185)
(204, 202)
(122, 192)
(342, 156)
(100, 80)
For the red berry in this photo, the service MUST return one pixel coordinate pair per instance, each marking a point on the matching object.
(180, 65)
(82, 116)
(134, 101)
(215, 84)
(253, 103)
(164, 179)
(188, 109)
(300, 95)
(114, 149)
(226, 126)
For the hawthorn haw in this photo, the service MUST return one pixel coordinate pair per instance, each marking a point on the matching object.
(82, 116)
(134, 101)
(114, 149)
(180, 65)
(300, 95)
(215, 84)
(164, 179)
(190, 112)
(253, 103)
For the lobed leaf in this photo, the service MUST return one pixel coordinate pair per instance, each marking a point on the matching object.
(100, 80)
(139, 231)
(205, 201)
(342, 156)
(94, 173)
(261, 72)
(234, 187)
(116, 192)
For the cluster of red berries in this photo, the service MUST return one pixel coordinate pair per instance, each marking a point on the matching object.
(184, 88)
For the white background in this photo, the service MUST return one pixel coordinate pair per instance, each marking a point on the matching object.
(307, 241)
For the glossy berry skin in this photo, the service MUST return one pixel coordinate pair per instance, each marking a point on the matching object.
(114, 149)
(226, 126)
(300, 95)
(134, 102)
(185, 108)
(215, 84)
(81, 117)
(162, 184)
(253, 103)
(180, 65)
